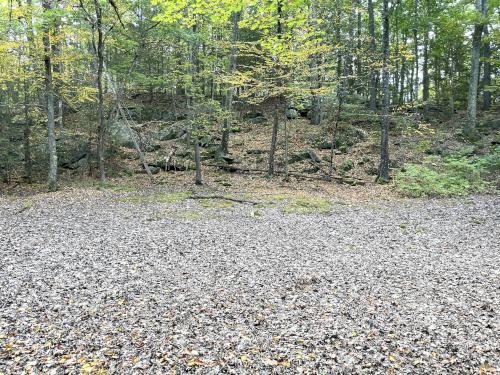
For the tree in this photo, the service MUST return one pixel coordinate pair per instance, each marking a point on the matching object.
(49, 93)
(373, 72)
(383, 174)
(470, 125)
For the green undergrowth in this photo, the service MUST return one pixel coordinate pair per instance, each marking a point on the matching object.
(162, 197)
(297, 203)
(308, 204)
(447, 176)
(216, 203)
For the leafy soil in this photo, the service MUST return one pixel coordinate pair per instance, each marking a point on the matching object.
(94, 283)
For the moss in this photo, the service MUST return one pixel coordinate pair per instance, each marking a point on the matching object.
(162, 197)
(216, 203)
(307, 204)
(255, 213)
(27, 204)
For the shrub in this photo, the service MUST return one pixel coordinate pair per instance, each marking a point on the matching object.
(449, 176)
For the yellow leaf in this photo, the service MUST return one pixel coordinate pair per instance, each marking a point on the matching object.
(270, 362)
(244, 358)
(87, 368)
(195, 362)
(392, 358)
(285, 363)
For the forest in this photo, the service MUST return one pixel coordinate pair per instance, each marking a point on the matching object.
(249, 187)
(88, 86)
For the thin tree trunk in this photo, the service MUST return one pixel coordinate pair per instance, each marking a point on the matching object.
(486, 71)
(286, 148)
(27, 22)
(383, 175)
(274, 141)
(197, 161)
(316, 81)
(358, 46)
(278, 103)
(452, 89)
(230, 89)
(49, 92)
(425, 76)
(28, 165)
(470, 127)
(415, 41)
(401, 97)
(373, 72)
(351, 46)
(101, 131)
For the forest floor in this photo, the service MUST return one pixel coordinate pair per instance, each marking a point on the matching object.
(108, 281)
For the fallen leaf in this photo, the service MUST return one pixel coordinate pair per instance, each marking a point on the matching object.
(195, 362)
(270, 362)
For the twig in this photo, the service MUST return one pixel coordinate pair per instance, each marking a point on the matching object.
(222, 197)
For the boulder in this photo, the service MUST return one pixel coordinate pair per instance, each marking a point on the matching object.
(258, 120)
(308, 154)
(119, 134)
(168, 134)
(292, 113)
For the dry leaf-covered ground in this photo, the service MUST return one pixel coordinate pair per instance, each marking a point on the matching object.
(143, 283)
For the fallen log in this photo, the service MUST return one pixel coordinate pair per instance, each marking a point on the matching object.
(223, 198)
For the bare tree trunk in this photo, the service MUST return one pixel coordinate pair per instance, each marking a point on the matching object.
(286, 148)
(278, 103)
(415, 41)
(373, 72)
(470, 127)
(425, 76)
(49, 92)
(27, 22)
(316, 81)
(28, 165)
(197, 161)
(452, 89)
(358, 46)
(351, 46)
(101, 131)
(486, 71)
(401, 98)
(383, 175)
(274, 141)
(230, 89)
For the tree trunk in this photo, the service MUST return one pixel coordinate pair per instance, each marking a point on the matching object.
(28, 165)
(425, 76)
(358, 46)
(278, 101)
(351, 47)
(27, 22)
(401, 98)
(415, 41)
(197, 161)
(274, 141)
(383, 175)
(452, 89)
(486, 71)
(101, 131)
(49, 93)
(230, 89)
(470, 126)
(373, 72)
